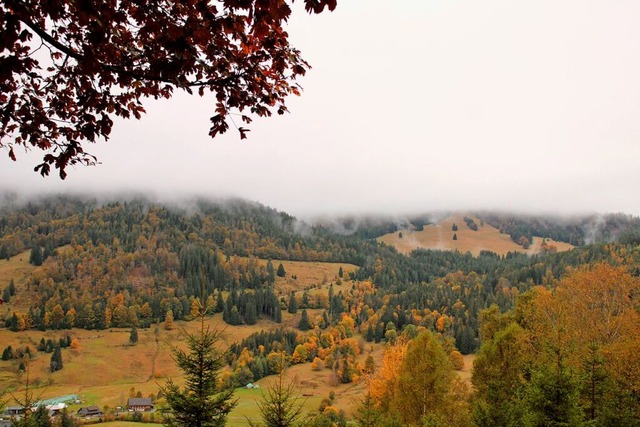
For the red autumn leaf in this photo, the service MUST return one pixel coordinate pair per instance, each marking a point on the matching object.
(243, 132)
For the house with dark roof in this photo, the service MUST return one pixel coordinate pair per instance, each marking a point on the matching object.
(13, 411)
(140, 404)
(89, 411)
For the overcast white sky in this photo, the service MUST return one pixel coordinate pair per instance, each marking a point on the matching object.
(411, 105)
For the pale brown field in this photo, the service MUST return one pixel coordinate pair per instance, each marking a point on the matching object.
(308, 275)
(104, 368)
(440, 236)
(18, 269)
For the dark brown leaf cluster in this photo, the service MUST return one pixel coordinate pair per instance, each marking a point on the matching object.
(68, 67)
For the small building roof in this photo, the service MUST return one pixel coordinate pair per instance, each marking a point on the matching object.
(139, 401)
(56, 407)
(89, 410)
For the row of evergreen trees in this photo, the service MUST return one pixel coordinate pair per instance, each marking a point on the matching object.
(248, 305)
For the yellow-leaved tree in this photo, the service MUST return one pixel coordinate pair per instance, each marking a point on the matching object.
(417, 384)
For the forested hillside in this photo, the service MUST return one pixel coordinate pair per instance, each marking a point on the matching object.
(132, 262)
(136, 263)
(576, 230)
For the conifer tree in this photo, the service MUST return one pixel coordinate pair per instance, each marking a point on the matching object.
(26, 398)
(345, 370)
(56, 360)
(65, 420)
(202, 402)
(325, 320)
(219, 303)
(280, 272)
(281, 406)
(41, 418)
(7, 354)
(370, 334)
(234, 316)
(271, 273)
(367, 415)
(133, 337)
(251, 316)
(304, 324)
(35, 258)
(293, 303)
(13, 323)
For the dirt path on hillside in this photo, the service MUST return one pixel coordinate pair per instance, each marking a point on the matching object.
(155, 356)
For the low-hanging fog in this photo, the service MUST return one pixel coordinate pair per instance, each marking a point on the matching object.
(411, 106)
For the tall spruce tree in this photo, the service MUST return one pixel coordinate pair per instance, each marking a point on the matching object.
(56, 360)
(27, 399)
(40, 417)
(281, 405)
(202, 402)
(271, 273)
(367, 415)
(304, 324)
(133, 337)
(65, 419)
(35, 258)
(251, 315)
(293, 303)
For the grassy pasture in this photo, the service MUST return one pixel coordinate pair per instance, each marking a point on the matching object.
(440, 236)
(309, 275)
(104, 367)
(18, 269)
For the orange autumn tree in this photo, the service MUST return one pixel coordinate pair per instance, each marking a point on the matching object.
(383, 384)
(603, 325)
(417, 384)
(568, 354)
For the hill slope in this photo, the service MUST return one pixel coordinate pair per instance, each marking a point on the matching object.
(440, 236)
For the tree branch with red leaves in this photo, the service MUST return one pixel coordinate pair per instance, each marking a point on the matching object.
(106, 56)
